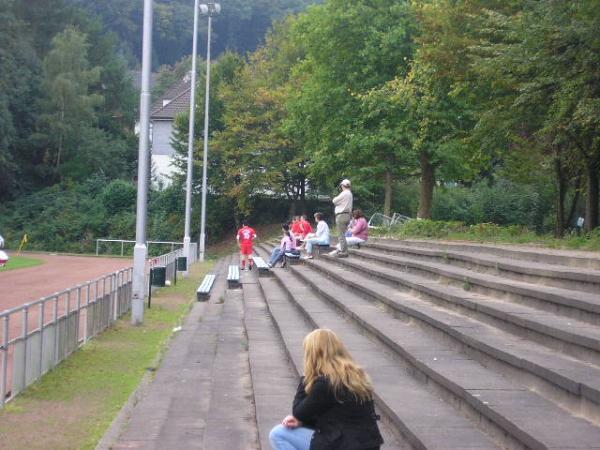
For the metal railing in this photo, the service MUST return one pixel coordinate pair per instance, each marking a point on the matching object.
(126, 241)
(169, 260)
(378, 220)
(37, 336)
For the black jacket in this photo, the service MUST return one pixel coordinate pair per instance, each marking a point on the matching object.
(340, 424)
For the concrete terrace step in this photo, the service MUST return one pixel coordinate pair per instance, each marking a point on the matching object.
(291, 331)
(423, 418)
(274, 380)
(577, 305)
(522, 252)
(561, 276)
(509, 405)
(570, 382)
(576, 338)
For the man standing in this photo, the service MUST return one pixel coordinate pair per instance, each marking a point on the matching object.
(343, 209)
(245, 238)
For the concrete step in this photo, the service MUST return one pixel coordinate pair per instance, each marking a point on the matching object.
(510, 406)
(572, 383)
(292, 335)
(583, 306)
(569, 336)
(274, 379)
(583, 259)
(416, 410)
(231, 421)
(568, 277)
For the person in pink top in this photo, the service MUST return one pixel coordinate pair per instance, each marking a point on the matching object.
(288, 244)
(359, 229)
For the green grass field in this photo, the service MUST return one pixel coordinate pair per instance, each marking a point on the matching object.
(20, 262)
(73, 405)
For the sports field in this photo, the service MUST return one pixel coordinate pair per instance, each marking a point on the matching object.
(43, 274)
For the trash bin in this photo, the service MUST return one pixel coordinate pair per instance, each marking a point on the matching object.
(159, 276)
(182, 264)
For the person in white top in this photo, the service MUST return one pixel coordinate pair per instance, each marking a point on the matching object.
(343, 208)
(321, 237)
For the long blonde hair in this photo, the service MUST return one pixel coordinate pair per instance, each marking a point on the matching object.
(326, 355)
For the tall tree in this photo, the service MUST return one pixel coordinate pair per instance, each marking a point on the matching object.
(69, 105)
(257, 154)
(19, 67)
(351, 49)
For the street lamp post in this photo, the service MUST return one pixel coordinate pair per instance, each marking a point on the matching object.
(140, 250)
(209, 10)
(188, 191)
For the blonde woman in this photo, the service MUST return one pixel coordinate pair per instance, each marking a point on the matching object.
(333, 407)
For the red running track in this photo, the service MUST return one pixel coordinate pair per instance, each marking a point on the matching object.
(59, 272)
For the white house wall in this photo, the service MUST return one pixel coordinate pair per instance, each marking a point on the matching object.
(161, 137)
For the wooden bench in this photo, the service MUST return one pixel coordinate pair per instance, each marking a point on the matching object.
(203, 291)
(290, 258)
(233, 277)
(320, 249)
(262, 267)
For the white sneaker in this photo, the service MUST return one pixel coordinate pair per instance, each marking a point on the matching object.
(307, 257)
(333, 253)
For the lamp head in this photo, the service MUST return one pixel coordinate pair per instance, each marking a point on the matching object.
(210, 9)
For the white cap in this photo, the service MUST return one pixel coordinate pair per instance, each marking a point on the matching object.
(346, 182)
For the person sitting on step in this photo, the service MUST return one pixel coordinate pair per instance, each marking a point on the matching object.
(321, 237)
(296, 229)
(359, 231)
(333, 407)
(288, 244)
(305, 226)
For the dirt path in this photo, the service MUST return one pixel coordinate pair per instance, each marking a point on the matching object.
(57, 273)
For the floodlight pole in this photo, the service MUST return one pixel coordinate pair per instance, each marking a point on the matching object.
(208, 9)
(191, 137)
(140, 251)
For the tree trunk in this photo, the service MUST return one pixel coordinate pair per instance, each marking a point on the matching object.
(574, 203)
(592, 198)
(560, 199)
(387, 201)
(427, 185)
(303, 196)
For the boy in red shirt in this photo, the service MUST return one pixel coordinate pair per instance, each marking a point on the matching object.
(245, 237)
(306, 226)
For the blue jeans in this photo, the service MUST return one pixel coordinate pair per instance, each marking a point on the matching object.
(284, 438)
(315, 241)
(276, 256)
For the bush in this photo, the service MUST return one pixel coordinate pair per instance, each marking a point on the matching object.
(118, 196)
(502, 203)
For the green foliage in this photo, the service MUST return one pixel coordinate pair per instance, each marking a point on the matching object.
(502, 203)
(67, 105)
(240, 27)
(351, 48)
(118, 195)
(487, 232)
